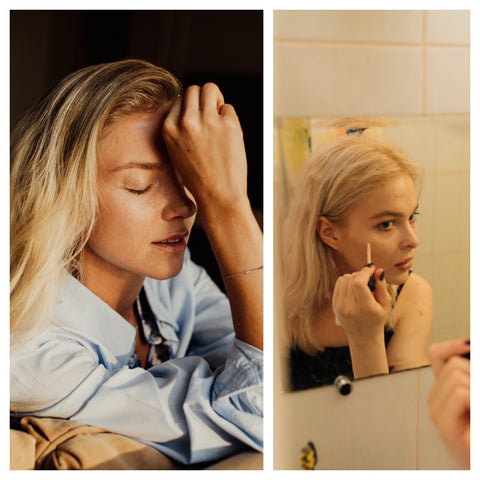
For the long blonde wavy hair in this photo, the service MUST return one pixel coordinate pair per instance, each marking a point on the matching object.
(53, 178)
(334, 180)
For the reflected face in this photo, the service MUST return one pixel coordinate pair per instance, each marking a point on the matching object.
(145, 214)
(385, 219)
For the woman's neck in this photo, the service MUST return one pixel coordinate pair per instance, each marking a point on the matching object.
(118, 289)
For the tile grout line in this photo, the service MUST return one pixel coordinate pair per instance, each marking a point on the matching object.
(292, 42)
(423, 68)
(417, 416)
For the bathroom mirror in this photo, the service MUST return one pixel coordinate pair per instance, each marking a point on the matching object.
(441, 144)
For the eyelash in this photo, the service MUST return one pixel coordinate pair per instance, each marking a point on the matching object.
(385, 228)
(139, 192)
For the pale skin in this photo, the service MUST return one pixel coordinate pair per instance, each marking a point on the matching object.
(449, 398)
(155, 171)
(386, 220)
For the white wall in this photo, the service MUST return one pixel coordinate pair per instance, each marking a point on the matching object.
(382, 424)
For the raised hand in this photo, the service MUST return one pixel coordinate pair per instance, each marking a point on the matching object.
(205, 142)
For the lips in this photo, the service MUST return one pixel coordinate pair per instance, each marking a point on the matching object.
(405, 264)
(175, 242)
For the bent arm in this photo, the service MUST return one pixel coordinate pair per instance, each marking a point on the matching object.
(408, 347)
(363, 315)
(180, 407)
(369, 357)
(236, 240)
(205, 142)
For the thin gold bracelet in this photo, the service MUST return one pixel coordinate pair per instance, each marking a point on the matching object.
(245, 272)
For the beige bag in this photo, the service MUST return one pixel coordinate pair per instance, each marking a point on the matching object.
(60, 444)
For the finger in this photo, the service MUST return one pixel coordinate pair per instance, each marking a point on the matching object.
(454, 376)
(449, 406)
(449, 401)
(191, 100)
(341, 298)
(440, 352)
(227, 110)
(341, 291)
(337, 292)
(170, 123)
(381, 289)
(360, 284)
(211, 99)
(455, 370)
(366, 272)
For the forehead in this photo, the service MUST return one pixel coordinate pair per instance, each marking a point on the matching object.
(396, 196)
(135, 138)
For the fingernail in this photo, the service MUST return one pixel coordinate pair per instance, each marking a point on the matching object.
(382, 276)
(369, 265)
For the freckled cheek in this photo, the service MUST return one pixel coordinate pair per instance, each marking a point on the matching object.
(122, 220)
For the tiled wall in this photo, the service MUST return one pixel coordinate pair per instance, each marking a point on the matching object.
(390, 63)
(395, 63)
(371, 62)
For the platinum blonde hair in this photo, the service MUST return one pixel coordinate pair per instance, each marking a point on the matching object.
(53, 178)
(335, 179)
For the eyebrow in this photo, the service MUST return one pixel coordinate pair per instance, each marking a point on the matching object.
(388, 213)
(140, 165)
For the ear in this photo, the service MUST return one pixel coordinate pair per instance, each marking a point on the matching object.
(327, 232)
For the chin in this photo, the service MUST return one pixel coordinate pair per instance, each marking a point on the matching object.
(166, 273)
(397, 278)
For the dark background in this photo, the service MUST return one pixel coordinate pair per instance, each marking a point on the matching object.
(225, 47)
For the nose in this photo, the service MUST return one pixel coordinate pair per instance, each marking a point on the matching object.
(410, 239)
(180, 203)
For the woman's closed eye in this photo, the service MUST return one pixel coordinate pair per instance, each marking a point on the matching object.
(137, 191)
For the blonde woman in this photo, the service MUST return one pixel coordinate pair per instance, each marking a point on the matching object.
(354, 191)
(111, 322)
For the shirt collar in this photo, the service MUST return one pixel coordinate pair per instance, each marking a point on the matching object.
(79, 309)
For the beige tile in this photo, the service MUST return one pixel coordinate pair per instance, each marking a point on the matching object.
(451, 216)
(447, 27)
(319, 80)
(447, 80)
(416, 140)
(385, 26)
(451, 295)
(423, 266)
(460, 330)
(452, 142)
(357, 431)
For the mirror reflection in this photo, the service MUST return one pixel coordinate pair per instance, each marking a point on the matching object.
(356, 284)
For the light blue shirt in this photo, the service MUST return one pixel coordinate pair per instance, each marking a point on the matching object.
(204, 404)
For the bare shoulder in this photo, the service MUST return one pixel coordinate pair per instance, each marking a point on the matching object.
(415, 300)
(417, 286)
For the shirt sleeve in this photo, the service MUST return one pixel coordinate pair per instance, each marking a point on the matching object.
(181, 407)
